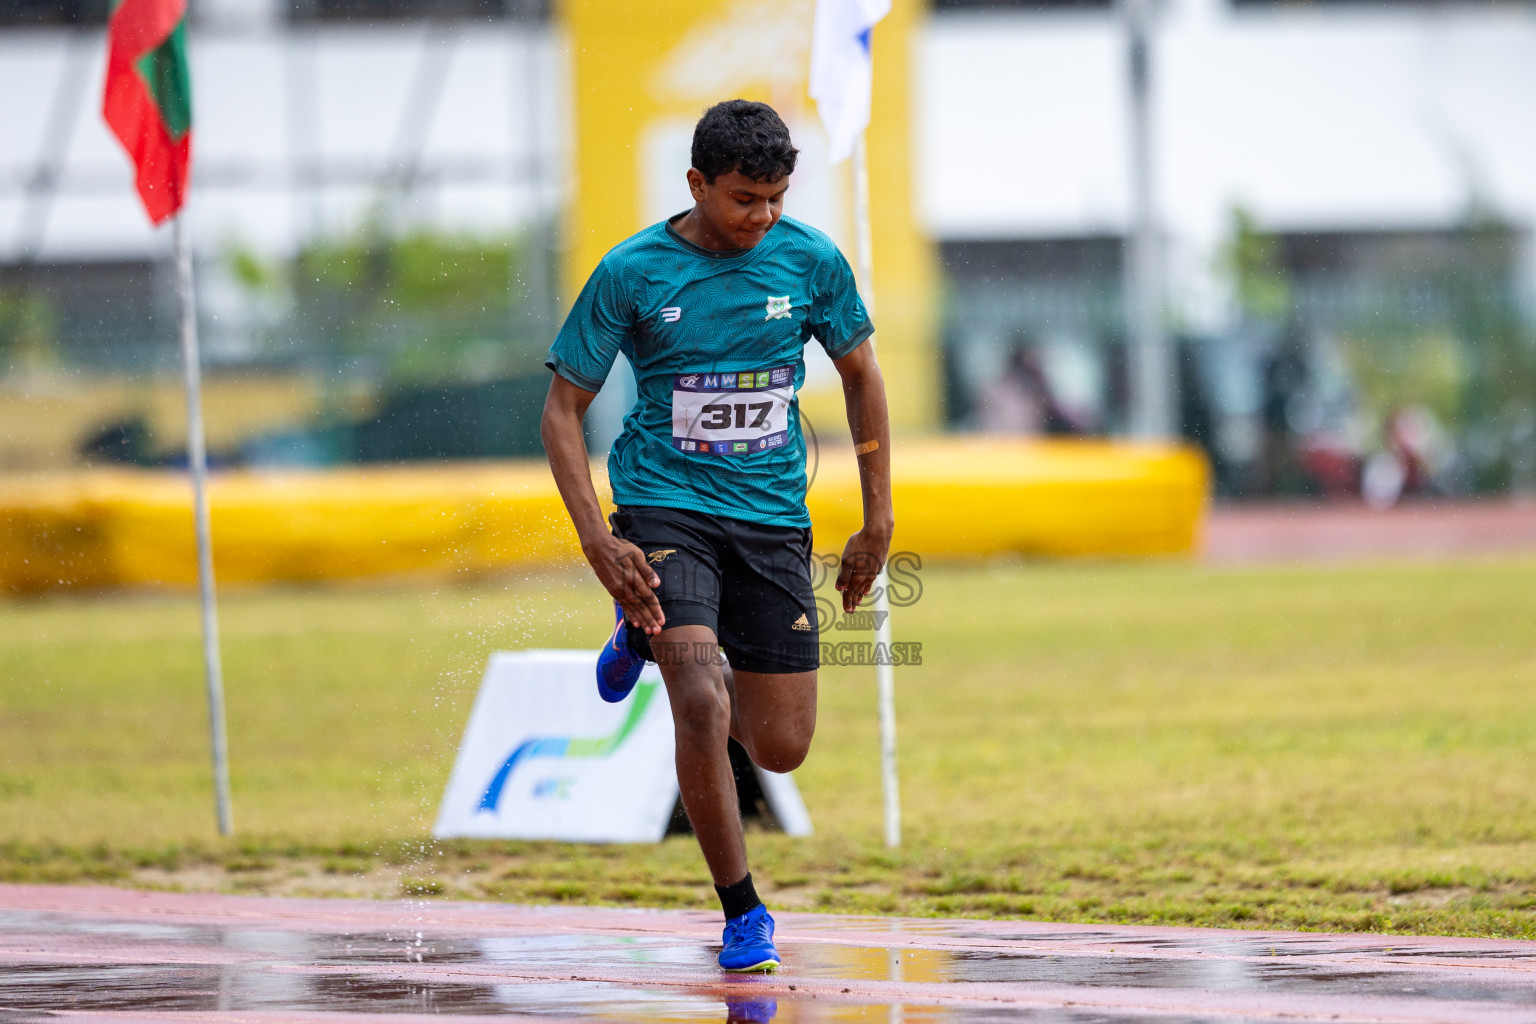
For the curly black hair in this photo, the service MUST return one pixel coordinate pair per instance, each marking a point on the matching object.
(740, 135)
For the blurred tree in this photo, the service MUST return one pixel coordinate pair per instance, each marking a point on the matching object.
(28, 332)
(249, 270)
(1442, 327)
(1254, 264)
(1254, 261)
(423, 341)
(1426, 367)
(1498, 402)
(421, 306)
(407, 308)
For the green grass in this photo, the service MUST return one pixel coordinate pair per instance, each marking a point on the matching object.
(1315, 747)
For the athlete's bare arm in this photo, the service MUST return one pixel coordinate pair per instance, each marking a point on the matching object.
(864, 394)
(619, 564)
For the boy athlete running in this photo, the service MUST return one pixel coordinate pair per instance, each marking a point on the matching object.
(710, 546)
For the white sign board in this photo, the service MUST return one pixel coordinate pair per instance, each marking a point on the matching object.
(544, 757)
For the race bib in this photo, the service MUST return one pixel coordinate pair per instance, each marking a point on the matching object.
(732, 413)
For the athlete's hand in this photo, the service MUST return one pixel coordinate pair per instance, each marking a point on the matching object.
(863, 558)
(623, 570)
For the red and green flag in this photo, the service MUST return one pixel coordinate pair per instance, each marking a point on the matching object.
(148, 102)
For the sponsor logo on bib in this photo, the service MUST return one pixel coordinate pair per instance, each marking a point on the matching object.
(732, 413)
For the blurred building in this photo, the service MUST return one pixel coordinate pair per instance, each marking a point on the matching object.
(386, 168)
(1346, 194)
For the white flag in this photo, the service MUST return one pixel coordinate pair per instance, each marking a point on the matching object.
(841, 66)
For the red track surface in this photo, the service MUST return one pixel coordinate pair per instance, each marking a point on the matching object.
(1331, 532)
(112, 955)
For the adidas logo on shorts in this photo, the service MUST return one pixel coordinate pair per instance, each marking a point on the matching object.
(802, 623)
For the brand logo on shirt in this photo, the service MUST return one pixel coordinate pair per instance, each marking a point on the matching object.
(778, 307)
(802, 623)
(672, 314)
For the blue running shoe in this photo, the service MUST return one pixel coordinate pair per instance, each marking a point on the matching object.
(749, 943)
(619, 666)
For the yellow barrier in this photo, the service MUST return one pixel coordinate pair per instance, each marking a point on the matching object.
(954, 499)
(981, 497)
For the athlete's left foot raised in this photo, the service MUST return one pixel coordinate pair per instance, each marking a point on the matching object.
(619, 665)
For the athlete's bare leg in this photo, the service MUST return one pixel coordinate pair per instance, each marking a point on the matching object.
(773, 716)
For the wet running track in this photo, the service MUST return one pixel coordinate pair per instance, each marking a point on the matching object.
(114, 955)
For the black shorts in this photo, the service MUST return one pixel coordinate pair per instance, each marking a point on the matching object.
(748, 582)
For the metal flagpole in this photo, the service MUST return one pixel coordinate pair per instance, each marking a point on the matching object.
(197, 462)
(885, 679)
(1152, 368)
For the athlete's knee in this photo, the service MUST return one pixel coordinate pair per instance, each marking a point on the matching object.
(703, 708)
(779, 753)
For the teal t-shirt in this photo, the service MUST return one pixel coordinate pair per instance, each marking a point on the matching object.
(717, 342)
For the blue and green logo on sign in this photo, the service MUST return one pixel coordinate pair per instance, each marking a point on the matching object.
(568, 746)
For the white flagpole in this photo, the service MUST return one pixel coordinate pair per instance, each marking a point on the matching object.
(885, 678)
(197, 462)
(1154, 402)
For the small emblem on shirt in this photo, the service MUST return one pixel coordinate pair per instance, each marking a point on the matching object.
(657, 557)
(672, 314)
(778, 307)
(802, 623)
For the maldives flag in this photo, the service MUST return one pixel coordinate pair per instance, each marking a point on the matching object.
(148, 102)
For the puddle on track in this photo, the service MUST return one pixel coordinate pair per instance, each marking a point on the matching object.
(62, 962)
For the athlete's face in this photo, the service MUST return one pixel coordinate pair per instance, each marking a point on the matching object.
(734, 211)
